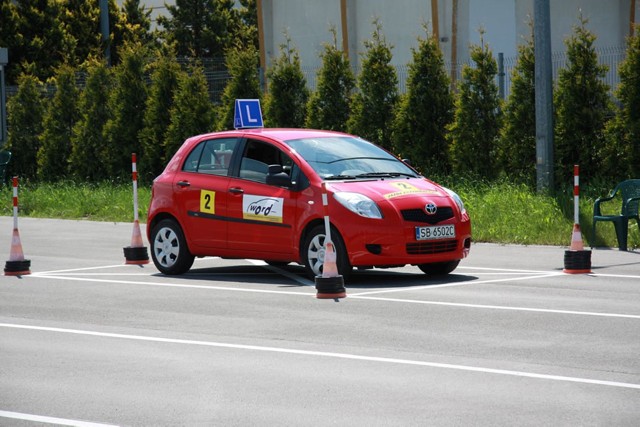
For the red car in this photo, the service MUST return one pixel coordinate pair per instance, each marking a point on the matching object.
(257, 194)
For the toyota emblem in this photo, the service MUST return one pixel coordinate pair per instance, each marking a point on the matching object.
(430, 208)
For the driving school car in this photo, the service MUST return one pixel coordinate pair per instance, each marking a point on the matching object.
(257, 194)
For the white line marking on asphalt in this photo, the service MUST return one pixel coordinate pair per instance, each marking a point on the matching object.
(362, 296)
(500, 307)
(172, 285)
(50, 420)
(327, 354)
(77, 269)
(471, 282)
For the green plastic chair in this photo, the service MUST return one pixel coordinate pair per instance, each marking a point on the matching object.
(630, 192)
(5, 156)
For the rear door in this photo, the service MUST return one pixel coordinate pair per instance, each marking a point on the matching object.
(201, 191)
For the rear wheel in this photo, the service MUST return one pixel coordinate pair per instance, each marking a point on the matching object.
(169, 248)
(439, 268)
(312, 252)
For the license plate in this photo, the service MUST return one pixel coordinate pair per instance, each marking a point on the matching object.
(436, 232)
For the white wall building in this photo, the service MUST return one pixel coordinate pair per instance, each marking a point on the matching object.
(456, 22)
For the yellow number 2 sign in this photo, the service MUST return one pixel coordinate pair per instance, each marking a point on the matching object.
(207, 201)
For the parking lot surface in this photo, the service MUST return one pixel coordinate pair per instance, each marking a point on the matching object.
(507, 339)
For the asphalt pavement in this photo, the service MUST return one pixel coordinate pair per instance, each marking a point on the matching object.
(506, 339)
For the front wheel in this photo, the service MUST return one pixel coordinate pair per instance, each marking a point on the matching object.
(169, 248)
(312, 252)
(439, 268)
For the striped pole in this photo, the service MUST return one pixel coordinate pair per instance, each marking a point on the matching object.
(576, 194)
(136, 253)
(325, 208)
(134, 175)
(15, 202)
(16, 265)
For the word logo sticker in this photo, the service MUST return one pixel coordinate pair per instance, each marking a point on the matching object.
(262, 208)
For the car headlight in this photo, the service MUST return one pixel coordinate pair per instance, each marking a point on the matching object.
(359, 203)
(456, 198)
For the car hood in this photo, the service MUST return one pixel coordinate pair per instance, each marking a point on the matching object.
(391, 190)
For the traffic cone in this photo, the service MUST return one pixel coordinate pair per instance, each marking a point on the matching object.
(136, 253)
(330, 285)
(16, 265)
(576, 239)
(576, 259)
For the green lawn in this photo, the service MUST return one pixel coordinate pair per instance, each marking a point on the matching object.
(500, 212)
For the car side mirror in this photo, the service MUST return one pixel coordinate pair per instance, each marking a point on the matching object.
(276, 176)
(407, 161)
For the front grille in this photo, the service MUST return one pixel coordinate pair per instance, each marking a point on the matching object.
(419, 215)
(426, 248)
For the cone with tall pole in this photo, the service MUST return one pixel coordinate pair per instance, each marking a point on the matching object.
(17, 265)
(330, 284)
(136, 253)
(576, 259)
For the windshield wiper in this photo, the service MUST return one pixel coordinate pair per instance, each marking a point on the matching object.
(333, 177)
(384, 175)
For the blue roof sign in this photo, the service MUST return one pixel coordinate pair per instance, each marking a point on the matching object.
(247, 114)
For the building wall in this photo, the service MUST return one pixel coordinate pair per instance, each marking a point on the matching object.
(505, 24)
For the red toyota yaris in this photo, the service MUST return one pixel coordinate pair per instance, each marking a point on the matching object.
(258, 194)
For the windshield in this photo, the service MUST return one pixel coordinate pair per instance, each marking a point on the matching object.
(344, 157)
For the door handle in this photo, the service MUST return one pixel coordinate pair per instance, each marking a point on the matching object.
(236, 190)
(183, 183)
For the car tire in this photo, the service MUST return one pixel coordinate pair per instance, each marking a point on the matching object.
(439, 268)
(169, 248)
(312, 252)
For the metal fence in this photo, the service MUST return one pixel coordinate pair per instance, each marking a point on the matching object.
(611, 57)
(217, 76)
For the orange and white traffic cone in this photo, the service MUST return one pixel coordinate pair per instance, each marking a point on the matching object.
(16, 265)
(136, 253)
(330, 285)
(576, 239)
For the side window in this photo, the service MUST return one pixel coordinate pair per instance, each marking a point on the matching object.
(211, 157)
(257, 158)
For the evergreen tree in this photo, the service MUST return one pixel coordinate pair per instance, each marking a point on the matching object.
(199, 28)
(137, 21)
(621, 154)
(517, 144)
(425, 110)
(25, 111)
(582, 105)
(10, 37)
(476, 123)
(373, 106)
(244, 83)
(246, 31)
(164, 85)
(61, 116)
(286, 103)
(88, 143)
(328, 106)
(192, 112)
(39, 38)
(126, 105)
(81, 21)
